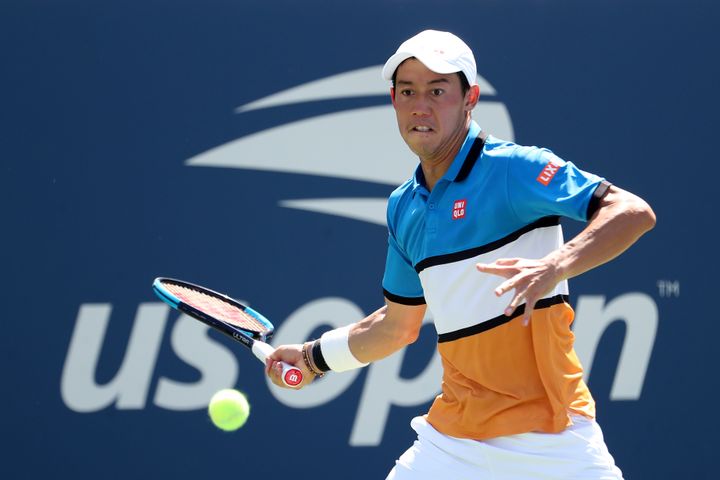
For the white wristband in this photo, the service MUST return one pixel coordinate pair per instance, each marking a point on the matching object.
(335, 347)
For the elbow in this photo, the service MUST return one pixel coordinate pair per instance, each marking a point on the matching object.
(635, 213)
(405, 336)
(638, 214)
(645, 216)
(411, 336)
(402, 324)
(651, 220)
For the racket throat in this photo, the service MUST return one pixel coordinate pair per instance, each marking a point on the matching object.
(262, 350)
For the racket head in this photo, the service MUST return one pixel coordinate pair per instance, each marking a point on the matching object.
(210, 306)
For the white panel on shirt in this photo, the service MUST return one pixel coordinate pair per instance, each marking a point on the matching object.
(460, 296)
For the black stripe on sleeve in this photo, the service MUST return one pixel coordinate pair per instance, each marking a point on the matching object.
(474, 252)
(500, 320)
(600, 192)
(404, 300)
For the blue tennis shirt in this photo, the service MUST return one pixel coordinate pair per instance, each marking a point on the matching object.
(491, 198)
(497, 200)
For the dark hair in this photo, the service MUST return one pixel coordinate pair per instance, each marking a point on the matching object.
(464, 84)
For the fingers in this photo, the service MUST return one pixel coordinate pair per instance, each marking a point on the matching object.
(521, 295)
(292, 355)
(275, 371)
(514, 303)
(527, 315)
(504, 267)
(271, 371)
(505, 287)
(500, 262)
(526, 277)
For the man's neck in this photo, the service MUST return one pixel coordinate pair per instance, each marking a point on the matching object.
(434, 167)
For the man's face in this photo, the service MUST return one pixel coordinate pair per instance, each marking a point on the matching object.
(431, 109)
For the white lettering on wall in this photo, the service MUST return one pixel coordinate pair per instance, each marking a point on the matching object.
(640, 315)
(383, 387)
(129, 388)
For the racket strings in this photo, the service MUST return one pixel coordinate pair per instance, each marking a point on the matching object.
(216, 307)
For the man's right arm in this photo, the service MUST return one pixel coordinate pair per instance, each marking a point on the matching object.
(378, 335)
(386, 331)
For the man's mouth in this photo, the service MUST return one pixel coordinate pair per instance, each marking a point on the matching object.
(421, 129)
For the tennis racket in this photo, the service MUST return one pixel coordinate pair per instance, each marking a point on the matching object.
(237, 321)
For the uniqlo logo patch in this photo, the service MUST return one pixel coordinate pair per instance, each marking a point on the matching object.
(458, 209)
(548, 173)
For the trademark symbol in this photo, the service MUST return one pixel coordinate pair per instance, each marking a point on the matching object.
(669, 288)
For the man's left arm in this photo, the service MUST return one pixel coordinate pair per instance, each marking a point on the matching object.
(619, 221)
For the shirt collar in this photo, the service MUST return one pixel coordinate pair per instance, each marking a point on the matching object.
(455, 167)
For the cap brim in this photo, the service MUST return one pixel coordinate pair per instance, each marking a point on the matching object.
(437, 66)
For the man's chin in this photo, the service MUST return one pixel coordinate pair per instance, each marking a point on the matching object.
(419, 148)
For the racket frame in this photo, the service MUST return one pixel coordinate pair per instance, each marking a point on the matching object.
(255, 341)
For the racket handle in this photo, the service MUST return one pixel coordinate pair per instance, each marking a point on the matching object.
(291, 376)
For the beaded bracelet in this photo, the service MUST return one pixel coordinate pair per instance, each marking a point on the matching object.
(317, 357)
(308, 363)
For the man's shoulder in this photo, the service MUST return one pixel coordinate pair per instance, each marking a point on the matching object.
(504, 150)
(499, 149)
(405, 189)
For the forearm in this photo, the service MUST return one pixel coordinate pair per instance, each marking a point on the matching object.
(619, 223)
(375, 337)
(378, 335)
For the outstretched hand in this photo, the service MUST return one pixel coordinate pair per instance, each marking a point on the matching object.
(531, 280)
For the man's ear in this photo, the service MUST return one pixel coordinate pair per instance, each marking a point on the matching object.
(392, 95)
(473, 95)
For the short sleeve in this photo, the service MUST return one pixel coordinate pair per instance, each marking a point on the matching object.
(542, 184)
(401, 283)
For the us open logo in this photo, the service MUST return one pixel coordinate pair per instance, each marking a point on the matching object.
(292, 147)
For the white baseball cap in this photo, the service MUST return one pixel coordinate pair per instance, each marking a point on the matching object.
(441, 52)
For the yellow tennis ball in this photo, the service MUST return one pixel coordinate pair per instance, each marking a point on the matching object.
(228, 409)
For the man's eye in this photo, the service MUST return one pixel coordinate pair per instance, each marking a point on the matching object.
(438, 91)
(406, 92)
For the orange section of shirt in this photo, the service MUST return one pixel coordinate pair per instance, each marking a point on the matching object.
(512, 379)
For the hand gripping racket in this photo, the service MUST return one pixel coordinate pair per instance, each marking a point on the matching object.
(237, 321)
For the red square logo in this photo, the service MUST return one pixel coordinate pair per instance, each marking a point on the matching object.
(548, 173)
(458, 209)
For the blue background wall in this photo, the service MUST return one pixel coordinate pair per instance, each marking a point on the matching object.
(106, 103)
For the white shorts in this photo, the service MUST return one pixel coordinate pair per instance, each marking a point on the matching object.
(578, 452)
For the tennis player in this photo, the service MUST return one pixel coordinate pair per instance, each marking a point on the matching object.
(474, 235)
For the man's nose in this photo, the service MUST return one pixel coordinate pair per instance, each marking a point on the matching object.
(421, 107)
